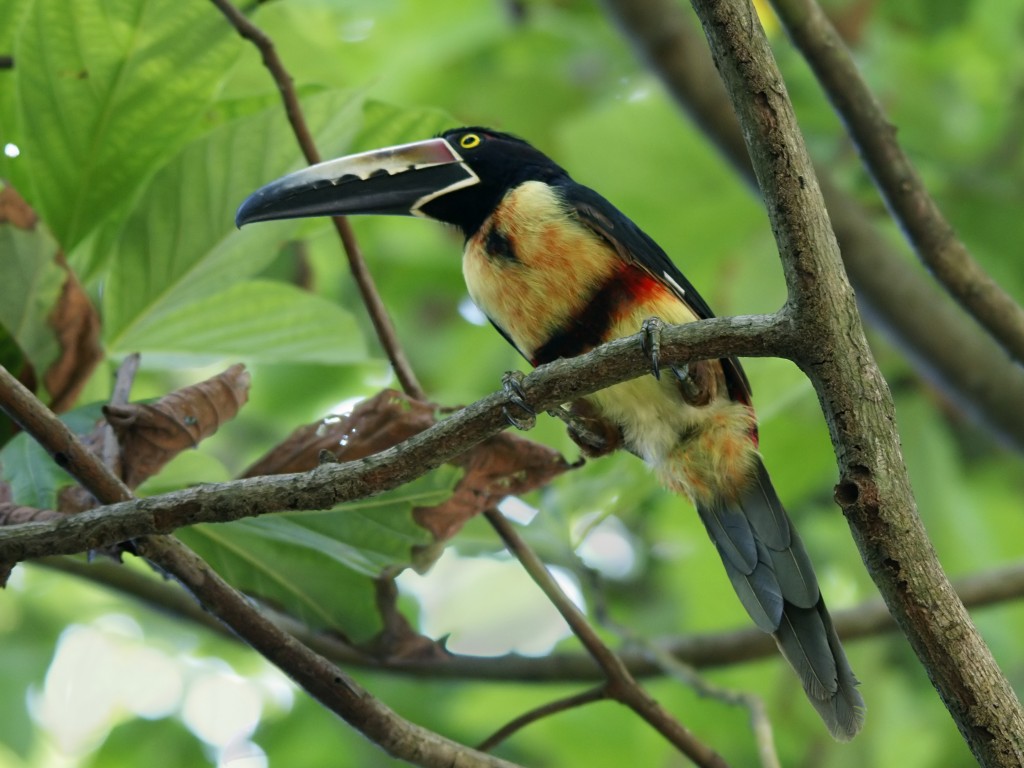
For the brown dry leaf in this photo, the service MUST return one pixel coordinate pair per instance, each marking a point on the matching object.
(151, 435)
(77, 326)
(13, 514)
(501, 466)
(75, 322)
(380, 422)
(504, 465)
(15, 210)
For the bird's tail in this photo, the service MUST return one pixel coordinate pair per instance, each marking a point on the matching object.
(772, 574)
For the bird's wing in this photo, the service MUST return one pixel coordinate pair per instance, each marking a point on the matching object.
(636, 247)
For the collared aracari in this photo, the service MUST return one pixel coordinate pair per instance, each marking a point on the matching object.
(559, 270)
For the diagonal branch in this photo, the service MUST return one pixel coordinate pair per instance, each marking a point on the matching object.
(620, 685)
(588, 696)
(318, 676)
(896, 178)
(364, 280)
(874, 490)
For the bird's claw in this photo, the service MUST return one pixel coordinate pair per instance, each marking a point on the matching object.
(512, 385)
(691, 391)
(651, 343)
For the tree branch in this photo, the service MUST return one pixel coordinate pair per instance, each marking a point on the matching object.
(896, 178)
(874, 490)
(331, 484)
(545, 710)
(620, 685)
(357, 264)
(924, 322)
(315, 674)
(700, 651)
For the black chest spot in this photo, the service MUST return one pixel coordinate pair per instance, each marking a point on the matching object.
(498, 246)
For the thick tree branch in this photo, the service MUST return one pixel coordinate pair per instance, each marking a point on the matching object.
(874, 490)
(357, 264)
(318, 676)
(331, 484)
(896, 178)
(935, 334)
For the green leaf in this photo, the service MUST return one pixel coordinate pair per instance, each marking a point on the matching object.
(107, 90)
(179, 243)
(29, 291)
(174, 258)
(260, 320)
(33, 476)
(319, 566)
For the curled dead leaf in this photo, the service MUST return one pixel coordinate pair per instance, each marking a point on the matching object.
(384, 420)
(150, 435)
(73, 319)
(504, 465)
(13, 514)
(76, 324)
(14, 210)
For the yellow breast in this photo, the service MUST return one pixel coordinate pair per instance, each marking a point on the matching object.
(553, 265)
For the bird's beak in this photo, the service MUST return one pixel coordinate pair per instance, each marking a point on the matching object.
(396, 180)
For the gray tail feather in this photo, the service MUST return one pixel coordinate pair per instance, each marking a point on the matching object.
(773, 577)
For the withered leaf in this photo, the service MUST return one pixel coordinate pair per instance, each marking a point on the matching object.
(150, 435)
(384, 420)
(504, 465)
(501, 466)
(13, 514)
(77, 326)
(72, 319)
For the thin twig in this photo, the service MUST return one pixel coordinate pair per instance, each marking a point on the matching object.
(896, 177)
(545, 710)
(688, 676)
(119, 396)
(364, 280)
(621, 685)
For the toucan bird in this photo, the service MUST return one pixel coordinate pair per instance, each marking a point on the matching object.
(559, 270)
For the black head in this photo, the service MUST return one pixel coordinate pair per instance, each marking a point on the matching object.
(501, 161)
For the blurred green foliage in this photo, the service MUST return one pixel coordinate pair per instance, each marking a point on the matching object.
(141, 125)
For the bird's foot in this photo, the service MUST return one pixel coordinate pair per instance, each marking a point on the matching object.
(692, 392)
(512, 384)
(651, 343)
(594, 436)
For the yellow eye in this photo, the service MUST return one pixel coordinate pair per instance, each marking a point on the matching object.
(469, 141)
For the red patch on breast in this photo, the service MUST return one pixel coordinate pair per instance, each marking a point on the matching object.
(638, 288)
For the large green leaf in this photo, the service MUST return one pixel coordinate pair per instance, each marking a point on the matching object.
(259, 320)
(107, 90)
(179, 243)
(319, 566)
(176, 256)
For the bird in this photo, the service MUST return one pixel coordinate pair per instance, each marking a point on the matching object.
(559, 270)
